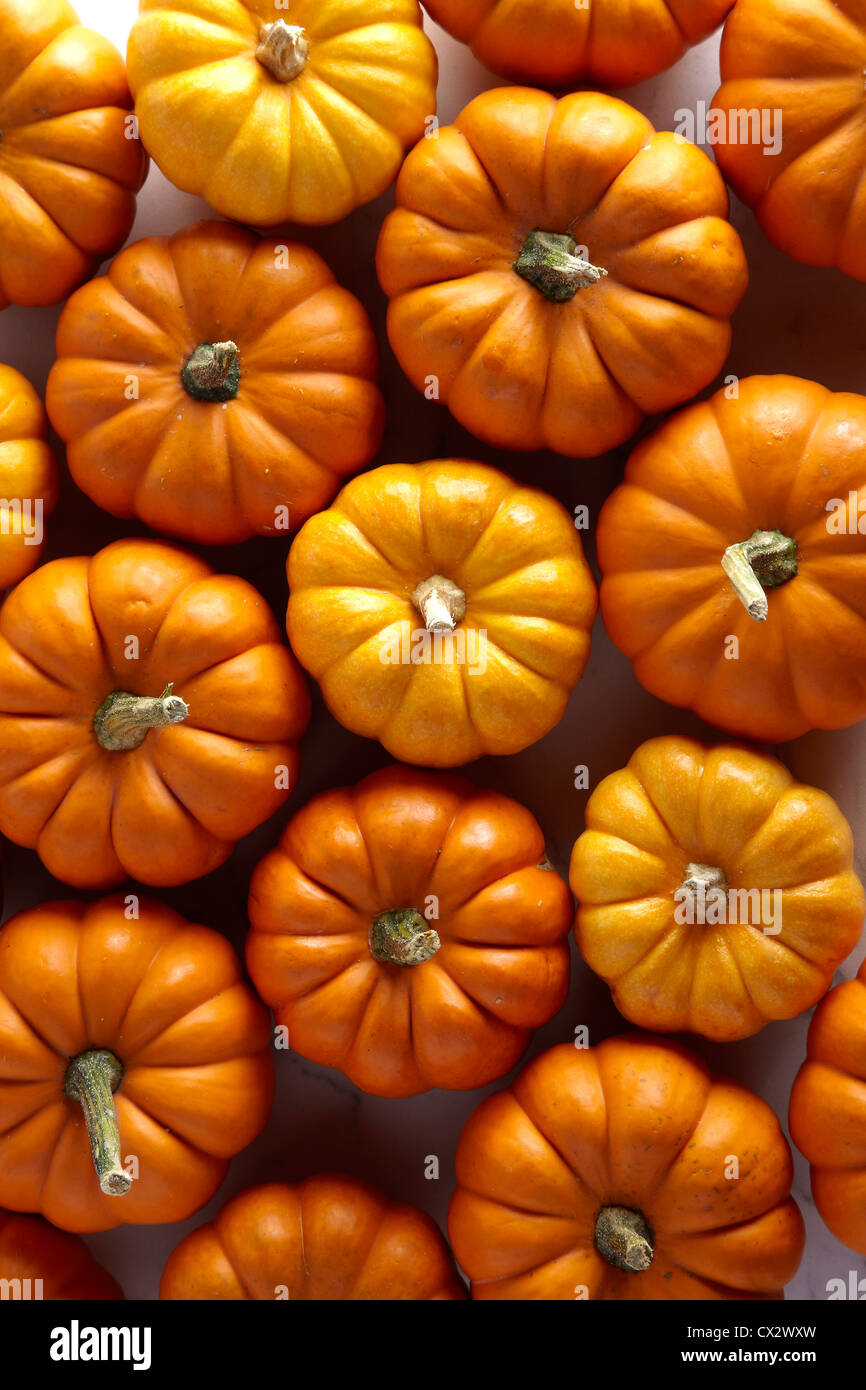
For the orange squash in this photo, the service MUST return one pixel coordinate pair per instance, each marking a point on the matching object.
(801, 62)
(328, 1239)
(281, 113)
(560, 43)
(558, 270)
(134, 1062)
(496, 574)
(39, 1262)
(828, 1110)
(28, 477)
(733, 559)
(149, 715)
(411, 932)
(70, 159)
(624, 1171)
(716, 893)
(215, 384)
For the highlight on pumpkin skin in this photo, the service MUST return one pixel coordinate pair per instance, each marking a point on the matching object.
(715, 892)
(330, 1238)
(624, 1171)
(29, 477)
(38, 1262)
(733, 559)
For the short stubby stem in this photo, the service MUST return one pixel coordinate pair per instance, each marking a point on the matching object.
(212, 372)
(123, 721)
(766, 560)
(549, 261)
(624, 1238)
(91, 1079)
(402, 936)
(698, 879)
(283, 49)
(441, 603)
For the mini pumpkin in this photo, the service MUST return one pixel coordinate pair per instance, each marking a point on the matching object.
(215, 384)
(410, 931)
(70, 159)
(149, 715)
(134, 1062)
(328, 1239)
(294, 117)
(39, 1262)
(443, 608)
(828, 1110)
(558, 270)
(28, 477)
(800, 63)
(733, 559)
(624, 1171)
(715, 892)
(561, 43)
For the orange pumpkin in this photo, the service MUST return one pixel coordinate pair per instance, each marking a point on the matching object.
(559, 43)
(733, 559)
(828, 1110)
(801, 62)
(28, 477)
(37, 1261)
(624, 1171)
(329, 1239)
(149, 715)
(70, 159)
(557, 270)
(215, 385)
(411, 932)
(494, 570)
(298, 116)
(129, 1045)
(716, 893)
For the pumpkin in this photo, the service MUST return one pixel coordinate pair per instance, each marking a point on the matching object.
(70, 159)
(560, 43)
(215, 384)
(800, 63)
(733, 559)
(300, 117)
(443, 608)
(410, 931)
(716, 893)
(39, 1262)
(149, 715)
(557, 270)
(828, 1110)
(624, 1171)
(28, 477)
(134, 1062)
(330, 1238)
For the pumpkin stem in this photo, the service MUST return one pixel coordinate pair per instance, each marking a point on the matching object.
(212, 372)
(624, 1238)
(91, 1079)
(766, 560)
(440, 602)
(402, 937)
(701, 877)
(548, 261)
(283, 49)
(123, 721)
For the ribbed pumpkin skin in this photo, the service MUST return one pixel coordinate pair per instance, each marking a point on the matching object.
(558, 43)
(28, 475)
(68, 171)
(640, 1123)
(828, 1110)
(168, 999)
(262, 151)
(329, 1239)
(805, 60)
(32, 1249)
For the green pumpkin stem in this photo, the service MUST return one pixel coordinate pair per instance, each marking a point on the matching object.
(403, 937)
(212, 372)
(548, 260)
(91, 1079)
(766, 560)
(123, 721)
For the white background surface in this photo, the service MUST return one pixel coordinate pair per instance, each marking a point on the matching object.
(809, 322)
